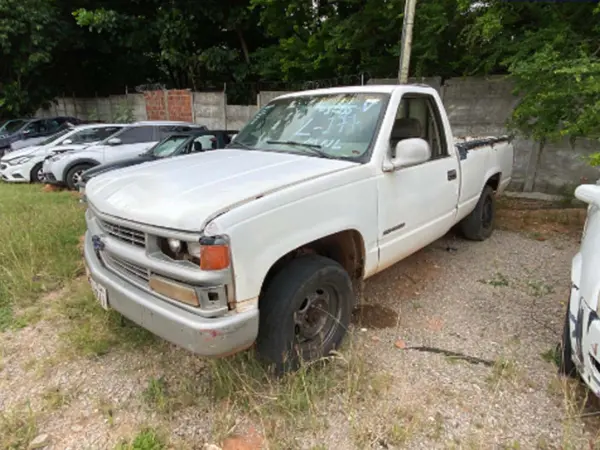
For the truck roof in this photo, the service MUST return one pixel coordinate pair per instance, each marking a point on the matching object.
(371, 88)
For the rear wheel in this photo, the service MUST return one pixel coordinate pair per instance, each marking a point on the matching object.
(479, 225)
(74, 175)
(37, 174)
(566, 365)
(304, 312)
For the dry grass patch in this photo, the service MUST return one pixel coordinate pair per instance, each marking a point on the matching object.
(17, 428)
(539, 219)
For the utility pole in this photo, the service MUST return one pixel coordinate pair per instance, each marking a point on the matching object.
(406, 42)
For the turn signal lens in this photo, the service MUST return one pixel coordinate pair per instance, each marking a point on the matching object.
(214, 253)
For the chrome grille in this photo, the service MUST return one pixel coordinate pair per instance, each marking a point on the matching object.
(126, 268)
(125, 234)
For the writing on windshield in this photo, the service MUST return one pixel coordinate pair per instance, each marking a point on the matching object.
(341, 125)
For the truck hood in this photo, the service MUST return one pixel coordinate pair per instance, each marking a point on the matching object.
(102, 168)
(184, 193)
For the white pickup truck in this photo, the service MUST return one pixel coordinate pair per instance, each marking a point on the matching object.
(267, 241)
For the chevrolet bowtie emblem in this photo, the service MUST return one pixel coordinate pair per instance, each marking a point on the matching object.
(98, 243)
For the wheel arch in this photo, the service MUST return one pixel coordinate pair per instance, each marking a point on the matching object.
(77, 162)
(346, 247)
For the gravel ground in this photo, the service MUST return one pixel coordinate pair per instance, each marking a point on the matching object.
(500, 301)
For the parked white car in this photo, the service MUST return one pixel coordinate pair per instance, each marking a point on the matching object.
(581, 332)
(265, 241)
(66, 168)
(25, 165)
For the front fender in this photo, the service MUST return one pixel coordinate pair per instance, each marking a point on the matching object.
(264, 230)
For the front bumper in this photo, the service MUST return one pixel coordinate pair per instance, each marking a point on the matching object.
(210, 337)
(15, 174)
(49, 176)
(584, 325)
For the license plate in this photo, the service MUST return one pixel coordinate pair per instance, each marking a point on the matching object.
(98, 290)
(100, 293)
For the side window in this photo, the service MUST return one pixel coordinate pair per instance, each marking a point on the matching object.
(104, 132)
(204, 142)
(419, 117)
(137, 135)
(50, 126)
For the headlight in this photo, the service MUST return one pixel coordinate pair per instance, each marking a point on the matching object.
(57, 156)
(16, 161)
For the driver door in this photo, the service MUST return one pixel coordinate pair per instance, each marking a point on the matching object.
(417, 204)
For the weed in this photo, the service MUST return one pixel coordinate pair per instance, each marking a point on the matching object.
(147, 439)
(17, 428)
(107, 408)
(539, 288)
(552, 355)
(56, 398)
(497, 280)
(503, 369)
(156, 394)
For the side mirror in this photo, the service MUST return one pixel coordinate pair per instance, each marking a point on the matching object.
(409, 152)
(66, 142)
(114, 141)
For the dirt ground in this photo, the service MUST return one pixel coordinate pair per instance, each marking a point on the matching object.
(455, 347)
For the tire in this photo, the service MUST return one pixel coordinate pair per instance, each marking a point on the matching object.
(295, 295)
(566, 364)
(36, 175)
(74, 173)
(479, 225)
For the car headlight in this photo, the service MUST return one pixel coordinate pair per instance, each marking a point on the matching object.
(57, 156)
(16, 161)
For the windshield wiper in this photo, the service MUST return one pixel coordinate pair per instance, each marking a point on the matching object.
(233, 144)
(315, 148)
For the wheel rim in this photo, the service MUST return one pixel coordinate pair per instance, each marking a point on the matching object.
(40, 175)
(487, 213)
(77, 177)
(317, 319)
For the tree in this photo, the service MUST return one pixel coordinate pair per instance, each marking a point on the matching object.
(551, 51)
(29, 33)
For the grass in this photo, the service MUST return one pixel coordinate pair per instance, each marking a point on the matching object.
(38, 245)
(17, 428)
(56, 398)
(93, 331)
(147, 439)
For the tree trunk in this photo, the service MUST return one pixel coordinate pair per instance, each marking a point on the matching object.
(243, 44)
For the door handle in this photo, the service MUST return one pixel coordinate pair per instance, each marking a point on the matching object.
(452, 175)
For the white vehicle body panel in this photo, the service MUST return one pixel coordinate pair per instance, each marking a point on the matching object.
(271, 203)
(585, 292)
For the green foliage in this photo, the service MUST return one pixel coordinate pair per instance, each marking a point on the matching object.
(124, 113)
(29, 33)
(550, 49)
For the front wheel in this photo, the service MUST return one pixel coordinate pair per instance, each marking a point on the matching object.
(479, 225)
(37, 174)
(304, 312)
(74, 175)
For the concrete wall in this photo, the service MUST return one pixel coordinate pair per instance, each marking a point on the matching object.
(475, 106)
(106, 109)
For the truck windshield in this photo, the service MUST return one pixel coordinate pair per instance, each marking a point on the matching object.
(340, 126)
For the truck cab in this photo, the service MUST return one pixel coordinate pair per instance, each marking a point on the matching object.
(268, 240)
